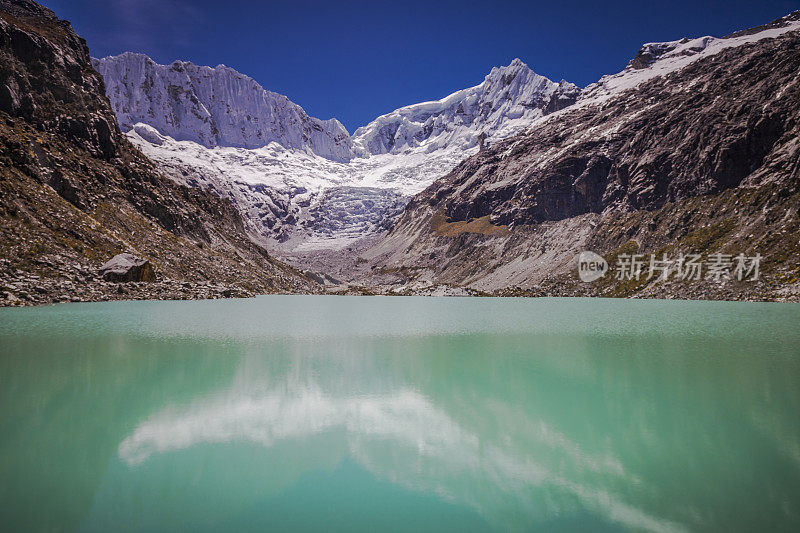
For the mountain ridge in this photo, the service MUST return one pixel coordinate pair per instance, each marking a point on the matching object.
(191, 102)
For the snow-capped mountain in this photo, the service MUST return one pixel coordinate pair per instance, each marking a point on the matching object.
(298, 181)
(214, 107)
(509, 99)
(302, 183)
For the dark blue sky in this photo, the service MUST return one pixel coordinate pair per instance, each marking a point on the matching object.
(355, 60)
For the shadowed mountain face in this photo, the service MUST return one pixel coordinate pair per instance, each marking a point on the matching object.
(703, 156)
(75, 191)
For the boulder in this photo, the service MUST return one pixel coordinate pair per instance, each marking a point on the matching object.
(127, 267)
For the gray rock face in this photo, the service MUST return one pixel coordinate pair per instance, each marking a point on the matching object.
(41, 78)
(127, 267)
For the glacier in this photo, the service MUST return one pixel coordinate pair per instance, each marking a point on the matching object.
(302, 183)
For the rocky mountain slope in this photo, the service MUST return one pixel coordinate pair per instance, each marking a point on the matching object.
(693, 149)
(74, 191)
(296, 193)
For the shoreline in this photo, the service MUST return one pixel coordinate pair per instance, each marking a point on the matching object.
(16, 294)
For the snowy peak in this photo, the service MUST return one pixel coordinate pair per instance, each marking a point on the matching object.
(517, 78)
(662, 58)
(509, 99)
(214, 107)
(649, 53)
(783, 22)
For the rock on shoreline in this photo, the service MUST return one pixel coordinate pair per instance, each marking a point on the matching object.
(127, 267)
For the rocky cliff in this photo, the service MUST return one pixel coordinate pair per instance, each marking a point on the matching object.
(74, 191)
(692, 149)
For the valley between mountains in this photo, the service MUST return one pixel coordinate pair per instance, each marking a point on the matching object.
(230, 189)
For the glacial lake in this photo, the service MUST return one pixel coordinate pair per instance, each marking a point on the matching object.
(324, 413)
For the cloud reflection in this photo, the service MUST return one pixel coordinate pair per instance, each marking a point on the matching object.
(404, 437)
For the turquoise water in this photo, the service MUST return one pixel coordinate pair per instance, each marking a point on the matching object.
(287, 413)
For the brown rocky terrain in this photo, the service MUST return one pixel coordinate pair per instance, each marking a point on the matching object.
(703, 159)
(74, 192)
